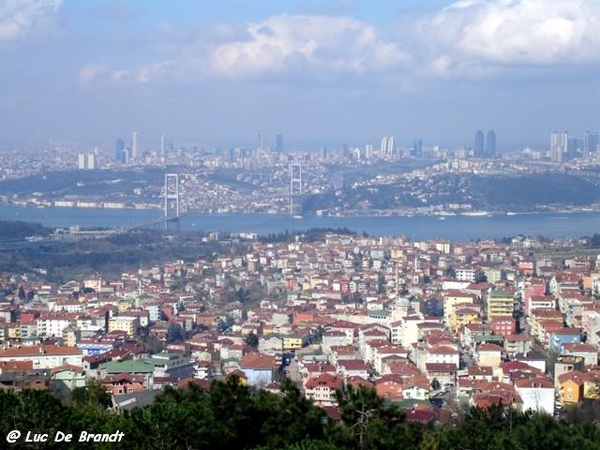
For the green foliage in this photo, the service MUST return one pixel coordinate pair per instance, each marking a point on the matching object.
(526, 191)
(93, 395)
(16, 230)
(112, 255)
(251, 339)
(594, 241)
(231, 415)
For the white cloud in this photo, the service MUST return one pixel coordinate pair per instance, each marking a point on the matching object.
(515, 32)
(90, 72)
(470, 39)
(314, 43)
(19, 18)
(310, 47)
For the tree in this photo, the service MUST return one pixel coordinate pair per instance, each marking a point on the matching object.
(450, 272)
(368, 418)
(94, 395)
(251, 340)
(174, 333)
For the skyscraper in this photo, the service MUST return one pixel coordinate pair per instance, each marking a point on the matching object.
(490, 144)
(478, 149)
(91, 160)
(571, 151)
(556, 150)
(383, 146)
(260, 140)
(564, 141)
(279, 143)
(81, 161)
(119, 147)
(417, 148)
(86, 160)
(135, 149)
(590, 142)
(553, 140)
(390, 146)
(163, 146)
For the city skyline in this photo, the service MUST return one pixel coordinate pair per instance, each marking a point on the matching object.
(320, 72)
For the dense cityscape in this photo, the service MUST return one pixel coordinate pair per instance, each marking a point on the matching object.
(434, 329)
(349, 181)
(300, 225)
(432, 326)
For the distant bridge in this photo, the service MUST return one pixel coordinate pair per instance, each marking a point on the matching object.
(171, 208)
(150, 223)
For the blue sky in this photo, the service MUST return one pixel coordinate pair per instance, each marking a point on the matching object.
(215, 72)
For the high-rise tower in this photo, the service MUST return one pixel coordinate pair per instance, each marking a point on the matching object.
(564, 141)
(163, 146)
(135, 148)
(119, 147)
(86, 160)
(478, 149)
(383, 146)
(279, 143)
(417, 148)
(390, 146)
(261, 137)
(556, 149)
(590, 142)
(490, 144)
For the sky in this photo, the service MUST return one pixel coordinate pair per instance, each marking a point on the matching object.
(328, 72)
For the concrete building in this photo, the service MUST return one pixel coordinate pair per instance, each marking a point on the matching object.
(500, 304)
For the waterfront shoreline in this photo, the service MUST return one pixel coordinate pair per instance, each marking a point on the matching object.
(454, 227)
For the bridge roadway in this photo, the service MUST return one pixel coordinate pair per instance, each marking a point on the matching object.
(82, 234)
(146, 224)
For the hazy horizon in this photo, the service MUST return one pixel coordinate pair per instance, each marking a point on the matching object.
(320, 72)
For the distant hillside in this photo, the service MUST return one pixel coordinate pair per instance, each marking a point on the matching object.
(15, 230)
(522, 192)
(486, 192)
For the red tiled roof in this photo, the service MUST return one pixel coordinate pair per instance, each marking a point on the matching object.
(442, 350)
(535, 383)
(16, 365)
(574, 375)
(354, 364)
(325, 379)
(257, 361)
(421, 416)
(202, 384)
(440, 367)
(37, 350)
(580, 348)
(489, 348)
(67, 367)
(357, 381)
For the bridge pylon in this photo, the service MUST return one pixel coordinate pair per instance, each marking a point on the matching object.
(172, 212)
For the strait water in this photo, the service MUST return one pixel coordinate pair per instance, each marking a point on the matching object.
(454, 228)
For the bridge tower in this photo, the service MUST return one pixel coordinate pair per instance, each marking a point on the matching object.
(295, 185)
(171, 199)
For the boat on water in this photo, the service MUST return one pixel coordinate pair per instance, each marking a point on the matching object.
(477, 214)
(442, 218)
(297, 216)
